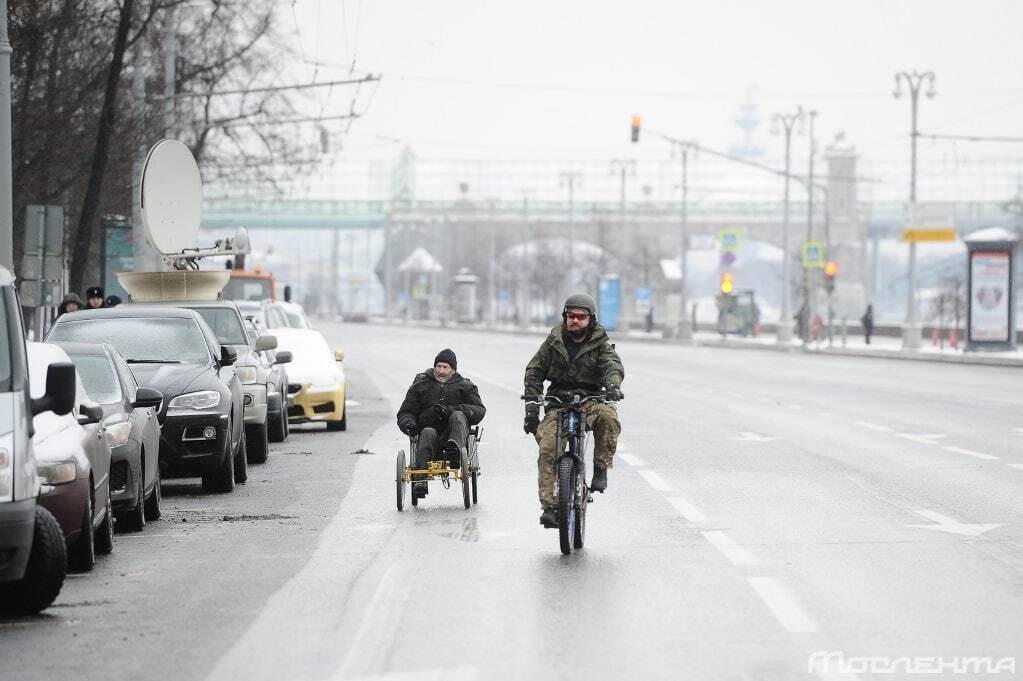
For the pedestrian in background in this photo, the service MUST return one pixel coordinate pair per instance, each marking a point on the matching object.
(112, 301)
(70, 303)
(94, 297)
(868, 323)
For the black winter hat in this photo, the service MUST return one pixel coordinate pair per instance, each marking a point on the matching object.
(94, 292)
(447, 355)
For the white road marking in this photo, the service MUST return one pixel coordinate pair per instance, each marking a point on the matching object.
(655, 480)
(825, 413)
(351, 403)
(970, 452)
(953, 526)
(765, 400)
(1017, 465)
(796, 407)
(383, 607)
(788, 613)
(688, 511)
(1018, 431)
(748, 436)
(873, 426)
(732, 551)
(630, 459)
(922, 438)
(460, 673)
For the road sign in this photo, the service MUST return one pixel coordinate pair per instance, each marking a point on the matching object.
(929, 234)
(813, 254)
(643, 293)
(727, 259)
(729, 240)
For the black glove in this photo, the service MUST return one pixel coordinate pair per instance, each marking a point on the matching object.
(409, 427)
(531, 424)
(614, 393)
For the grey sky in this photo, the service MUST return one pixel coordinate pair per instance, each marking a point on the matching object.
(471, 78)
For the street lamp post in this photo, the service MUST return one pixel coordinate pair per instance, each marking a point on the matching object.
(6, 172)
(788, 122)
(625, 167)
(569, 180)
(809, 274)
(911, 330)
(685, 325)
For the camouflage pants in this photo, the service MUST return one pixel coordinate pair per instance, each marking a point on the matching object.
(602, 419)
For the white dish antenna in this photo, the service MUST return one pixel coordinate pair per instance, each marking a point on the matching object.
(171, 204)
(171, 207)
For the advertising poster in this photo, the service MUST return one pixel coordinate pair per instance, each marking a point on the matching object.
(989, 296)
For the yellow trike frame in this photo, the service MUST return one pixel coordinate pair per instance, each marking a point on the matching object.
(467, 472)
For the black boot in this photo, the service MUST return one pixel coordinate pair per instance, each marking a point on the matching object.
(599, 482)
(548, 518)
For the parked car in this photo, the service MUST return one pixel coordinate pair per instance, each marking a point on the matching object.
(33, 554)
(73, 462)
(284, 315)
(174, 351)
(132, 431)
(273, 362)
(316, 378)
(228, 324)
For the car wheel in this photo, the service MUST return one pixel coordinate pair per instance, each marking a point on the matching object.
(155, 499)
(257, 443)
(82, 556)
(241, 461)
(45, 572)
(105, 533)
(277, 429)
(221, 478)
(134, 520)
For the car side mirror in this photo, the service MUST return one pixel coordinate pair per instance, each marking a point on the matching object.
(283, 357)
(228, 355)
(89, 413)
(147, 398)
(264, 343)
(339, 355)
(60, 390)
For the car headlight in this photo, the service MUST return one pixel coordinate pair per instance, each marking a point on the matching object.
(247, 374)
(58, 472)
(118, 433)
(203, 399)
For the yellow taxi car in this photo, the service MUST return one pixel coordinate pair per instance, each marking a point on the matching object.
(316, 378)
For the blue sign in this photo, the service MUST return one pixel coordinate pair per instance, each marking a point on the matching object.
(609, 302)
(643, 293)
(503, 295)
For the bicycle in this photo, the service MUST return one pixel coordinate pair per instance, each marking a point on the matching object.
(573, 494)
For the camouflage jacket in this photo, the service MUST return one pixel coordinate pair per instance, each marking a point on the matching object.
(595, 366)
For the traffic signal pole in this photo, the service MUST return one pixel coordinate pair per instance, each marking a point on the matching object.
(6, 174)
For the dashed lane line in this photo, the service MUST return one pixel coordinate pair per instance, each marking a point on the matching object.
(873, 426)
(688, 511)
(655, 480)
(970, 452)
(732, 551)
(1017, 465)
(630, 459)
(781, 604)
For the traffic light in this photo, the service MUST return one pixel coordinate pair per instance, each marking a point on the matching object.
(727, 285)
(830, 270)
(635, 128)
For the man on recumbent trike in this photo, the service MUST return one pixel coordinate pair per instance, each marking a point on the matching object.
(439, 407)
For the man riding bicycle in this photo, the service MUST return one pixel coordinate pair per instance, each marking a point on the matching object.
(439, 406)
(577, 358)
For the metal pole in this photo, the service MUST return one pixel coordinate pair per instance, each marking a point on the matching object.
(911, 330)
(170, 54)
(568, 180)
(624, 167)
(6, 173)
(492, 266)
(809, 274)
(788, 121)
(685, 325)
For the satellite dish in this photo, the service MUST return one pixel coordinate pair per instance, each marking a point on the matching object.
(171, 202)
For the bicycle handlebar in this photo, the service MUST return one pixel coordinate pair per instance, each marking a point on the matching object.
(545, 400)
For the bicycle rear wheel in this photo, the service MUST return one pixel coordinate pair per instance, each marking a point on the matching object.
(566, 504)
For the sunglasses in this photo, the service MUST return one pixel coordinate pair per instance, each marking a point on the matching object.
(577, 316)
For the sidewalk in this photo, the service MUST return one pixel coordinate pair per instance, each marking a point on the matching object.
(888, 347)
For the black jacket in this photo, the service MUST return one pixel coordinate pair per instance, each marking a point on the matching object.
(426, 391)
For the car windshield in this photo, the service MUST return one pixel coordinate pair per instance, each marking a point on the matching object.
(140, 339)
(225, 324)
(98, 377)
(247, 288)
(5, 348)
(297, 321)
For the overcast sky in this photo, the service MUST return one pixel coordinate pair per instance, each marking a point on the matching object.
(486, 78)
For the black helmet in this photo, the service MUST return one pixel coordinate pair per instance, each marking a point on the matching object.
(583, 301)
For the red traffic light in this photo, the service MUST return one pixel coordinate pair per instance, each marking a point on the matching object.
(635, 128)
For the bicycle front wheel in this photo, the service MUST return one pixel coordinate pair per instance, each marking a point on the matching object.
(566, 504)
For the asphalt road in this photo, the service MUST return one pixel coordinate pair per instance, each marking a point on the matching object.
(764, 507)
